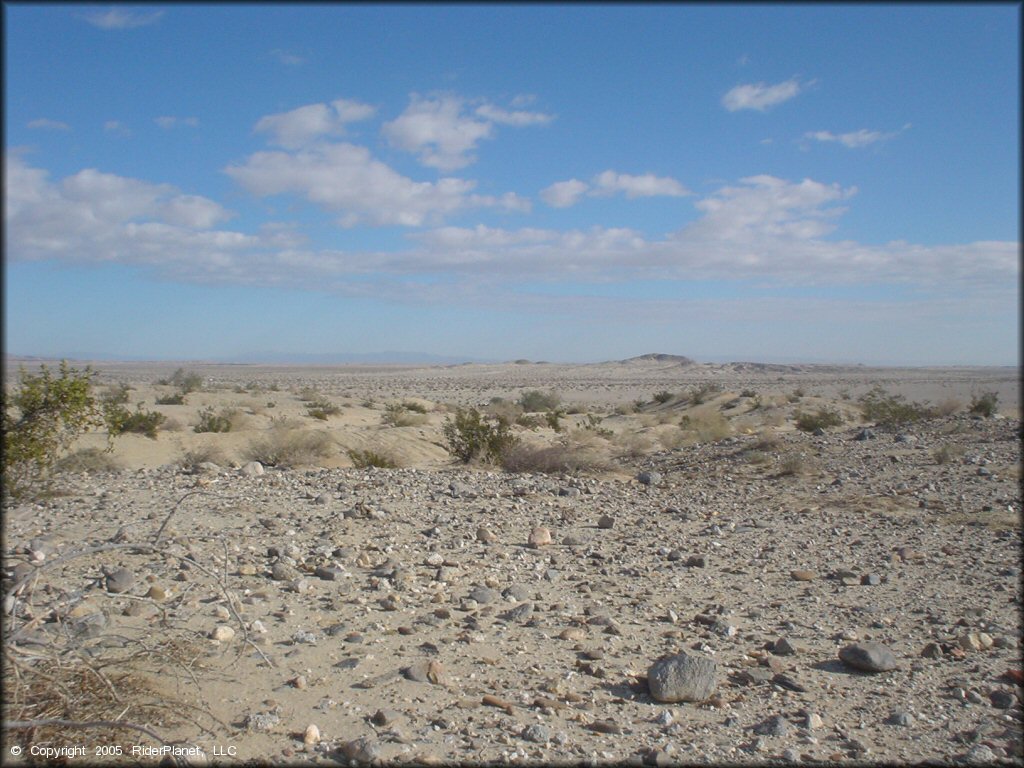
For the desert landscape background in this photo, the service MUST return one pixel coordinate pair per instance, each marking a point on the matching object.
(322, 580)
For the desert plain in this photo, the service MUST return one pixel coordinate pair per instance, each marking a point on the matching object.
(267, 595)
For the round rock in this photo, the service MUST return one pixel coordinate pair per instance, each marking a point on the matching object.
(682, 677)
(868, 657)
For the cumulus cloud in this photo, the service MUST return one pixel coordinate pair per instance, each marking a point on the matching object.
(346, 179)
(167, 122)
(120, 18)
(443, 135)
(762, 228)
(312, 122)
(854, 139)
(760, 96)
(116, 128)
(563, 194)
(46, 124)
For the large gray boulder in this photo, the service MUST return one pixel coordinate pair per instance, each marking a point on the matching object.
(682, 678)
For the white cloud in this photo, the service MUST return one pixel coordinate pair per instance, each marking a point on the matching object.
(117, 128)
(515, 117)
(760, 96)
(854, 139)
(46, 124)
(167, 122)
(647, 185)
(312, 122)
(345, 179)
(287, 58)
(119, 18)
(563, 194)
(761, 228)
(443, 136)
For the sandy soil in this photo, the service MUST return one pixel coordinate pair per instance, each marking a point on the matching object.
(405, 614)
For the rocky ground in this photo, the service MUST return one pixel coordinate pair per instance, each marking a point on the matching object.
(848, 596)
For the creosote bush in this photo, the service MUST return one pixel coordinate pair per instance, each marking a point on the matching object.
(400, 415)
(985, 405)
(698, 395)
(887, 410)
(41, 419)
(663, 397)
(186, 381)
(176, 398)
(824, 418)
(535, 401)
(321, 409)
(361, 459)
(470, 436)
(210, 421)
(120, 421)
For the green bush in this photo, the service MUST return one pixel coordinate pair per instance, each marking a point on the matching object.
(367, 458)
(178, 398)
(699, 395)
(663, 397)
(41, 420)
(824, 418)
(470, 436)
(141, 422)
(321, 409)
(186, 381)
(985, 405)
(891, 410)
(209, 421)
(552, 419)
(535, 401)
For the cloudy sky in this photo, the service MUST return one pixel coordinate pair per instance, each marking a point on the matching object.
(752, 182)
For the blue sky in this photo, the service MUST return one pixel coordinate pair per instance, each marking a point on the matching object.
(574, 183)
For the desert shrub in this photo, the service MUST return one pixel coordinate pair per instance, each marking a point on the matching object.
(748, 393)
(361, 459)
(396, 415)
(551, 418)
(985, 405)
(796, 395)
(535, 401)
(824, 418)
(210, 421)
(116, 395)
(530, 420)
(140, 421)
(470, 436)
(663, 397)
(87, 460)
(548, 459)
(321, 409)
(41, 420)
(512, 412)
(414, 407)
(671, 439)
(593, 424)
(186, 381)
(309, 395)
(707, 427)
(792, 465)
(944, 454)
(286, 444)
(698, 395)
(204, 453)
(891, 410)
(178, 398)
(768, 441)
(632, 445)
(756, 457)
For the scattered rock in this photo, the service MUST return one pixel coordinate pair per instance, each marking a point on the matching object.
(120, 581)
(223, 633)
(649, 478)
(605, 522)
(682, 677)
(868, 657)
(539, 537)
